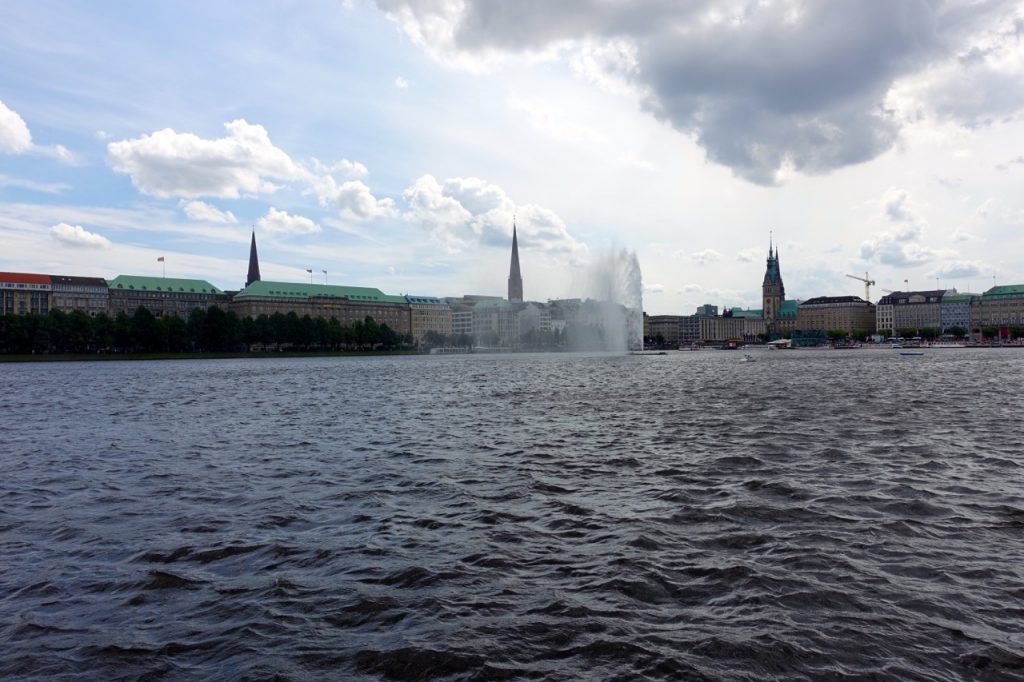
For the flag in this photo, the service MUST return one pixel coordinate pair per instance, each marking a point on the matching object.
(309, 270)
(160, 259)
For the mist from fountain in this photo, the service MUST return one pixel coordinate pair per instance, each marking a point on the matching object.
(611, 314)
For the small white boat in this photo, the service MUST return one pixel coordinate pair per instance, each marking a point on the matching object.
(912, 352)
(747, 357)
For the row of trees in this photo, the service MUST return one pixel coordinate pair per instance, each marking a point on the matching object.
(211, 330)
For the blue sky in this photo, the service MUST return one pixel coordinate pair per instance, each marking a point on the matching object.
(391, 143)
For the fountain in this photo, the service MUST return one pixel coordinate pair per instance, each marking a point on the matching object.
(609, 316)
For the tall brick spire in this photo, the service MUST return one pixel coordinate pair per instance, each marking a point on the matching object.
(254, 262)
(515, 278)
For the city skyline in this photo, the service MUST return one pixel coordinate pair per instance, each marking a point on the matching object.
(391, 145)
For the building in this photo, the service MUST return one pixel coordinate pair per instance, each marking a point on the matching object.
(911, 311)
(162, 295)
(773, 292)
(428, 314)
(515, 278)
(348, 305)
(254, 262)
(753, 323)
(955, 312)
(668, 327)
(1000, 307)
(24, 293)
(88, 294)
(850, 314)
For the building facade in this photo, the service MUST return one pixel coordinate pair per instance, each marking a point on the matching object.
(23, 293)
(955, 311)
(348, 305)
(773, 293)
(515, 277)
(1001, 307)
(163, 295)
(88, 294)
(836, 313)
(911, 310)
(428, 314)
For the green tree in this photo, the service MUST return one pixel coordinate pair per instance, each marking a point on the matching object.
(958, 332)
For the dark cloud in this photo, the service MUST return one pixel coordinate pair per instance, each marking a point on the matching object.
(760, 86)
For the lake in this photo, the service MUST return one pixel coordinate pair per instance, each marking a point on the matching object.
(813, 514)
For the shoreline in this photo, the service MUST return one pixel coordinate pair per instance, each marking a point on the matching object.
(114, 357)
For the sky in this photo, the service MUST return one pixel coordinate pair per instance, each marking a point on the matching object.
(393, 143)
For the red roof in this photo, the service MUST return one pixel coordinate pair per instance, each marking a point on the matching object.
(24, 278)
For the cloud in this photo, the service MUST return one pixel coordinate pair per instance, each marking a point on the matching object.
(691, 289)
(978, 84)
(960, 269)
(985, 208)
(761, 87)
(463, 212)
(401, 83)
(888, 249)
(282, 223)
(350, 169)
(47, 187)
(203, 212)
(654, 288)
(706, 256)
(352, 198)
(184, 165)
(748, 255)
(76, 236)
(1015, 161)
(961, 235)
(546, 119)
(15, 137)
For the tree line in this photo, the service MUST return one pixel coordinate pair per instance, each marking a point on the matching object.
(210, 330)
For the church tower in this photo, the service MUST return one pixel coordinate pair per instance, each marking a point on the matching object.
(515, 278)
(773, 292)
(254, 262)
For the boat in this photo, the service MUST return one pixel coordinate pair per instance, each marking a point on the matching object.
(747, 357)
(947, 344)
(911, 352)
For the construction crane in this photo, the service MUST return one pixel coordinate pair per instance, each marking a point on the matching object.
(868, 283)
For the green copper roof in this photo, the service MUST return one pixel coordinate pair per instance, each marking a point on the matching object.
(740, 312)
(1005, 291)
(494, 303)
(296, 290)
(788, 308)
(958, 298)
(188, 286)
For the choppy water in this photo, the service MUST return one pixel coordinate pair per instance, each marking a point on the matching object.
(811, 515)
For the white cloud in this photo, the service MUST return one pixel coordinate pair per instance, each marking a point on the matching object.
(352, 198)
(350, 169)
(283, 223)
(184, 165)
(985, 208)
(47, 187)
(889, 249)
(748, 255)
(15, 138)
(14, 135)
(77, 236)
(401, 83)
(961, 235)
(961, 269)
(463, 212)
(706, 256)
(203, 212)
(654, 288)
(551, 121)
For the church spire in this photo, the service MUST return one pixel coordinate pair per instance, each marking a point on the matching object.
(254, 262)
(515, 278)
